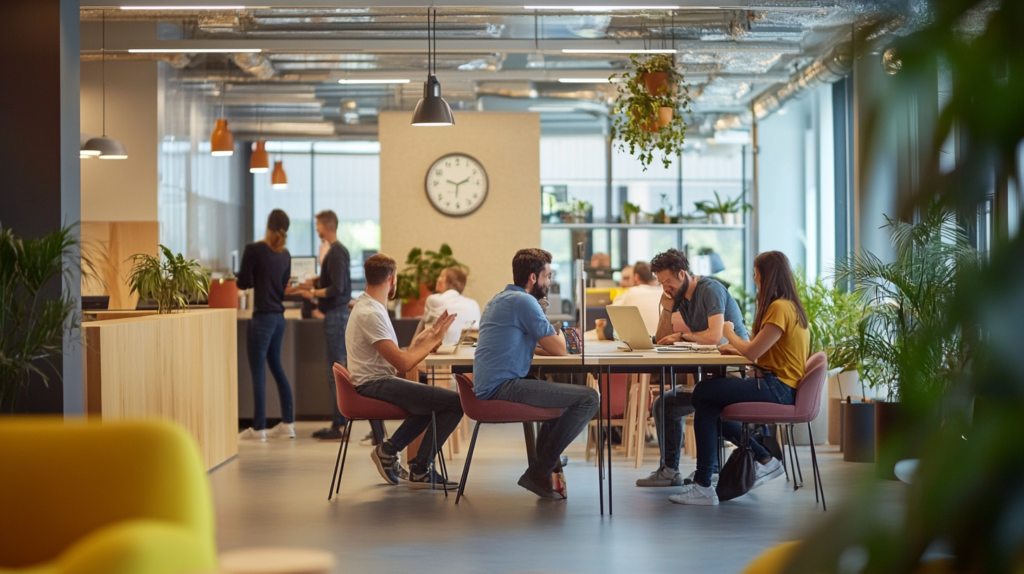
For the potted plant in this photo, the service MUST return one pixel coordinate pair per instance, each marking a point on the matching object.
(172, 280)
(630, 211)
(416, 282)
(648, 114)
(34, 323)
(581, 211)
(727, 211)
(902, 343)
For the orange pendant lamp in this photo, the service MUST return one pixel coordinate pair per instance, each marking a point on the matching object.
(259, 161)
(278, 179)
(222, 143)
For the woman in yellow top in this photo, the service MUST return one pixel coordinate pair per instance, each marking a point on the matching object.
(779, 348)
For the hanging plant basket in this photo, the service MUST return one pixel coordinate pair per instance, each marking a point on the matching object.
(648, 115)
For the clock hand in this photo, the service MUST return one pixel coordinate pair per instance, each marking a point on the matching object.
(463, 181)
(452, 182)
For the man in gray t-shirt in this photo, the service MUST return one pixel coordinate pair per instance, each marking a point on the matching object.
(703, 302)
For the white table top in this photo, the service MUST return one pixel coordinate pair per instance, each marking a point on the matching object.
(603, 353)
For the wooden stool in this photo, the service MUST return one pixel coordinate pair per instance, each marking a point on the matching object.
(278, 560)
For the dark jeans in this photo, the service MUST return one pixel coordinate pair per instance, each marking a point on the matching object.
(335, 322)
(677, 406)
(580, 404)
(420, 400)
(263, 342)
(713, 395)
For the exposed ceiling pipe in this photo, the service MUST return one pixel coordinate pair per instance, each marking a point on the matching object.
(178, 61)
(256, 65)
(831, 67)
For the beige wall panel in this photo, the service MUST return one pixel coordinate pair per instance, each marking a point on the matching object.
(508, 146)
(110, 244)
(180, 367)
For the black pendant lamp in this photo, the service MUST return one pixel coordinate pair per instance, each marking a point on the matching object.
(432, 110)
(104, 147)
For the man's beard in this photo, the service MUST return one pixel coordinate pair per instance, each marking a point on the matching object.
(680, 295)
(539, 292)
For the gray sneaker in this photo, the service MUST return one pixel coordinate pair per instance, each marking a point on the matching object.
(661, 477)
(689, 479)
(385, 464)
(401, 472)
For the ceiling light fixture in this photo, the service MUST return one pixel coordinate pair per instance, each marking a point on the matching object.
(619, 51)
(195, 50)
(587, 80)
(279, 179)
(432, 110)
(222, 143)
(259, 161)
(600, 8)
(372, 81)
(183, 7)
(106, 148)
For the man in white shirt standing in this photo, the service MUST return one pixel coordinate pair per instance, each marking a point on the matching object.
(643, 296)
(450, 285)
(375, 360)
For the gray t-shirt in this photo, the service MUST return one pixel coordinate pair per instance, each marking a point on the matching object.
(710, 298)
(368, 323)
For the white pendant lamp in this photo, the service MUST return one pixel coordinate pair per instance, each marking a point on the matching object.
(432, 110)
(104, 147)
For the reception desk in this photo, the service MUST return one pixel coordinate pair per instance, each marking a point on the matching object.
(179, 366)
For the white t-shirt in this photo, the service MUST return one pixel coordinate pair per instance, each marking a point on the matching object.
(455, 303)
(647, 298)
(368, 323)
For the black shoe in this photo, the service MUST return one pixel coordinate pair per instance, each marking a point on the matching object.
(542, 488)
(400, 471)
(385, 464)
(422, 480)
(330, 435)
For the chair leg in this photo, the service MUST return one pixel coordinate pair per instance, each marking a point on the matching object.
(817, 472)
(796, 455)
(792, 463)
(343, 446)
(785, 469)
(434, 452)
(469, 459)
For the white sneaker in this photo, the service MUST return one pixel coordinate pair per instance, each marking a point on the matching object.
(282, 430)
(689, 478)
(696, 495)
(766, 472)
(253, 434)
(661, 477)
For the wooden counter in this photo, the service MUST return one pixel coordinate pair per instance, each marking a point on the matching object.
(179, 366)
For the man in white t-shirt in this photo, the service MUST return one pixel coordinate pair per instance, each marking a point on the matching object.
(644, 296)
(375, 360)
(449, 297)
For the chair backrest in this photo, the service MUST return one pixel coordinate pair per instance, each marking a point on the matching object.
(809, 389)
(347, 394)
(61, 481)
(618, 389)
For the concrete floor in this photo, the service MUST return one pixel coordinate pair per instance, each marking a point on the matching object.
(275, 494)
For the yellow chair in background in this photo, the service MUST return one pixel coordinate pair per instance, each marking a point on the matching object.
(113, 498)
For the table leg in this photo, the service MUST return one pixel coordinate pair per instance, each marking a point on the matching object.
(600, 442)
(530, 435)
(608, 411)
(661, 418)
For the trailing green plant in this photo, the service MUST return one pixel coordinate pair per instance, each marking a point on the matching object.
(834, 318)
(171, 280)
(424, 268)
(636, 111)
(32, 322)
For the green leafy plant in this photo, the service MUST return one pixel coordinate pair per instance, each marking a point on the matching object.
(629, 210)
(640, 122)
(172, 280)
(834, 318)
(720, 207)
(423, 268)
(32, 322)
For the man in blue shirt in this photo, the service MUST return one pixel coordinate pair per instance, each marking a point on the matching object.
(512, 327)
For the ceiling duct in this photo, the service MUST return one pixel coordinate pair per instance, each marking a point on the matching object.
(831, 67)
(256, 65)
(533, 90)
(179, 61)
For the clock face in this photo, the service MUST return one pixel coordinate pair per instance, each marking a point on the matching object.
(456, 184)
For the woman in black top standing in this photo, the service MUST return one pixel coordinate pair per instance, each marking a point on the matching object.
(266, 268)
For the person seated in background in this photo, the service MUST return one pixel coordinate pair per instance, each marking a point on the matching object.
(626, 281)
(511, 330)
(449, 297)
(375, 361)
(644, 296)
(705, 306)
(601, 261)
(779, 349)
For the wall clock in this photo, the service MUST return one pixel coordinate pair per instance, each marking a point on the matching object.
(456, 184)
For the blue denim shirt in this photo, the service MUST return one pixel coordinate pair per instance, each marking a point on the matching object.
(511, 325)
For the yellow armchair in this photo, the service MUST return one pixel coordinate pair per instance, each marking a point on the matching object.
(84, 497)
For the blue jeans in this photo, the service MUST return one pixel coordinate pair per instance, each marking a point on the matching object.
(335, 322)
(709, 399)
(677, 406)
(580, 404)
(263, 342)
(421, 401)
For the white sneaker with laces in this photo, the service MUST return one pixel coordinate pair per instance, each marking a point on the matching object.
(689, 478)
(253, 434)
(661, 477)
(697, 495)
(766, 472)
(282, 430)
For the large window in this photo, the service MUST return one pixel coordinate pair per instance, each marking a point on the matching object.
(341, 176)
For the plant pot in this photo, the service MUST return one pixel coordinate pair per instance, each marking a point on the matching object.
(858, 432)
(840, 385)
(657, 83)
(665, 116)
(223, 294)
(730, 218)
(650, 125)
(890, 421)
(414, 307)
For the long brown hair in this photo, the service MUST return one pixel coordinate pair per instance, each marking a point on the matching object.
(277, 230)
(777, 282)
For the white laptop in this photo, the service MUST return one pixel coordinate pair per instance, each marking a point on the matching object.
(452, 349)
(629, 326)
